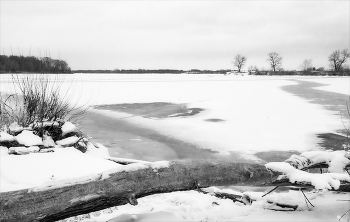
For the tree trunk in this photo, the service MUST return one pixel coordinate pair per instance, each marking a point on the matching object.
(99, 192)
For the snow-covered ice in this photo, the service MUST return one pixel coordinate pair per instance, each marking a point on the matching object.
(250, 107)
(334, 84)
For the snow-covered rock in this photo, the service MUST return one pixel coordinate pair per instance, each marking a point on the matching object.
(5, 137)
(23, 150)
(48, 141)
(68, 141)
(27, 138)
(68, 127)
(15, 128)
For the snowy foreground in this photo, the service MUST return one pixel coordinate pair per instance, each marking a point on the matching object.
(250, 106)
(40, 171)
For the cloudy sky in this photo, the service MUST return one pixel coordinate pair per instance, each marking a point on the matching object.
(175, 34)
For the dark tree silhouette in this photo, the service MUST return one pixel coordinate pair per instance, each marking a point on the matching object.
(239, 62)
(275, 60)
(11, 64)
(337, 58)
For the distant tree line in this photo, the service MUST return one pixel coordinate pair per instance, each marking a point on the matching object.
(154, 71)
(31, 64)
(337, 62)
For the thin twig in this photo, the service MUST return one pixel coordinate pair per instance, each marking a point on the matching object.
(307, 198)
(270, 191)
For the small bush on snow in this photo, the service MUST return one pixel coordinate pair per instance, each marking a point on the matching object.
(38, 99)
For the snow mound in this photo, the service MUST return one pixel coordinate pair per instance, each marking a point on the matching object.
(27, 138)
(5, 137)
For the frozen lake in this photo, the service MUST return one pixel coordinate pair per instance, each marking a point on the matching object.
(166, 116)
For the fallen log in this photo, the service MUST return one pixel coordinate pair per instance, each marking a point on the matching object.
(53, 202)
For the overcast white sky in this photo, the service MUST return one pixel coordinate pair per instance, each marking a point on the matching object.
(175, 34)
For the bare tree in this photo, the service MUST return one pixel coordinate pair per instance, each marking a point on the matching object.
(239, 62)
(306, 65)
(337, 58)
(275, 61)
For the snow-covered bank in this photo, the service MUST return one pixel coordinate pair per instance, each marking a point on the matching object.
(35, 169)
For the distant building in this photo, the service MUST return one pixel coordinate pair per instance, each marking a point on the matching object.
(236, 72)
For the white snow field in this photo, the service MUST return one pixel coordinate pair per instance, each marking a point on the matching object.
(258, 116)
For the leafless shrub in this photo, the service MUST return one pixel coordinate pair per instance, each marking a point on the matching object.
(39, 98)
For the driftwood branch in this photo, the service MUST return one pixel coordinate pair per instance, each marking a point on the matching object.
(98, 192)
(222, 195)
(245, 199)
